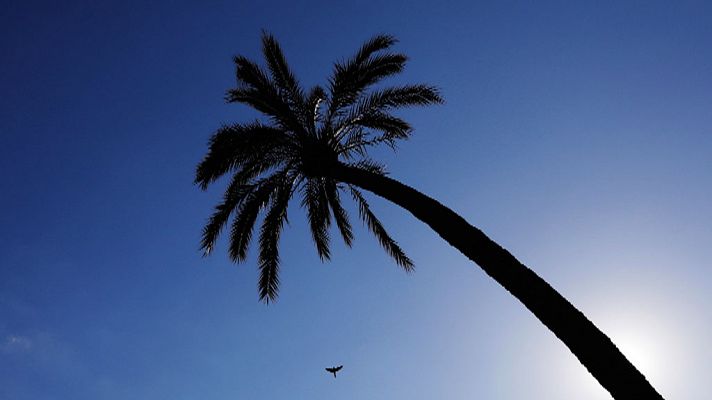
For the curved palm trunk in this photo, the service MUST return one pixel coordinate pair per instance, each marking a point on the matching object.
(591, 346)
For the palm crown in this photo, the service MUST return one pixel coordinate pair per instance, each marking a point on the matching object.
(306, 133)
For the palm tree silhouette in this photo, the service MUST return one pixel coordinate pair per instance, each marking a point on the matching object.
(316, 143)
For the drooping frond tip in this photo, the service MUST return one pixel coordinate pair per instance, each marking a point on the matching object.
(377, 43)
(317, 206)
(269, 243)
(376, 227)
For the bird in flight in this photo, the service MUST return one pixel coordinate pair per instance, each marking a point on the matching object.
(334, 370)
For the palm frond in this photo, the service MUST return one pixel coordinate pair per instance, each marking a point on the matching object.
(351, 80)
(376, 43)
(363, 69)
(315, 200)
(369, 165)
(373, 106)
(268, 102)
(258, 91)
(243, 224)
(250, 75)
(393, 97)
(377, 68)
(235, 145)
(353, 142)
(358, 139)
(268, 259)
(392, 128)
(379, 231)
(282, 75)
(340, 215)
(234, 195)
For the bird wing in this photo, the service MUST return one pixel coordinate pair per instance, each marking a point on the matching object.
(332, 370)
(338, 368)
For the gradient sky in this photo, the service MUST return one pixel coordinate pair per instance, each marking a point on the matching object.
(579, 136)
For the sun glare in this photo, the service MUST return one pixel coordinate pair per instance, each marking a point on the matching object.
(643, 348)
(648, 340)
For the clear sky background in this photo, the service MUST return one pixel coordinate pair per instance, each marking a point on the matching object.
(576, 134)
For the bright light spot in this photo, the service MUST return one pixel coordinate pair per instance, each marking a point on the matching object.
(649, 342)
(646, 350)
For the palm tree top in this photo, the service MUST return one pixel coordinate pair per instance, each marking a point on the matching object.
(303, 135)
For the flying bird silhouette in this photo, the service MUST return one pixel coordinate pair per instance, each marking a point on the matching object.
(334, 370)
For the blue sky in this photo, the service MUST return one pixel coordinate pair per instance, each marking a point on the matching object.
(576, 135)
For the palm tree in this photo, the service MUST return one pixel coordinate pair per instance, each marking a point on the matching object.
(316, 142)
